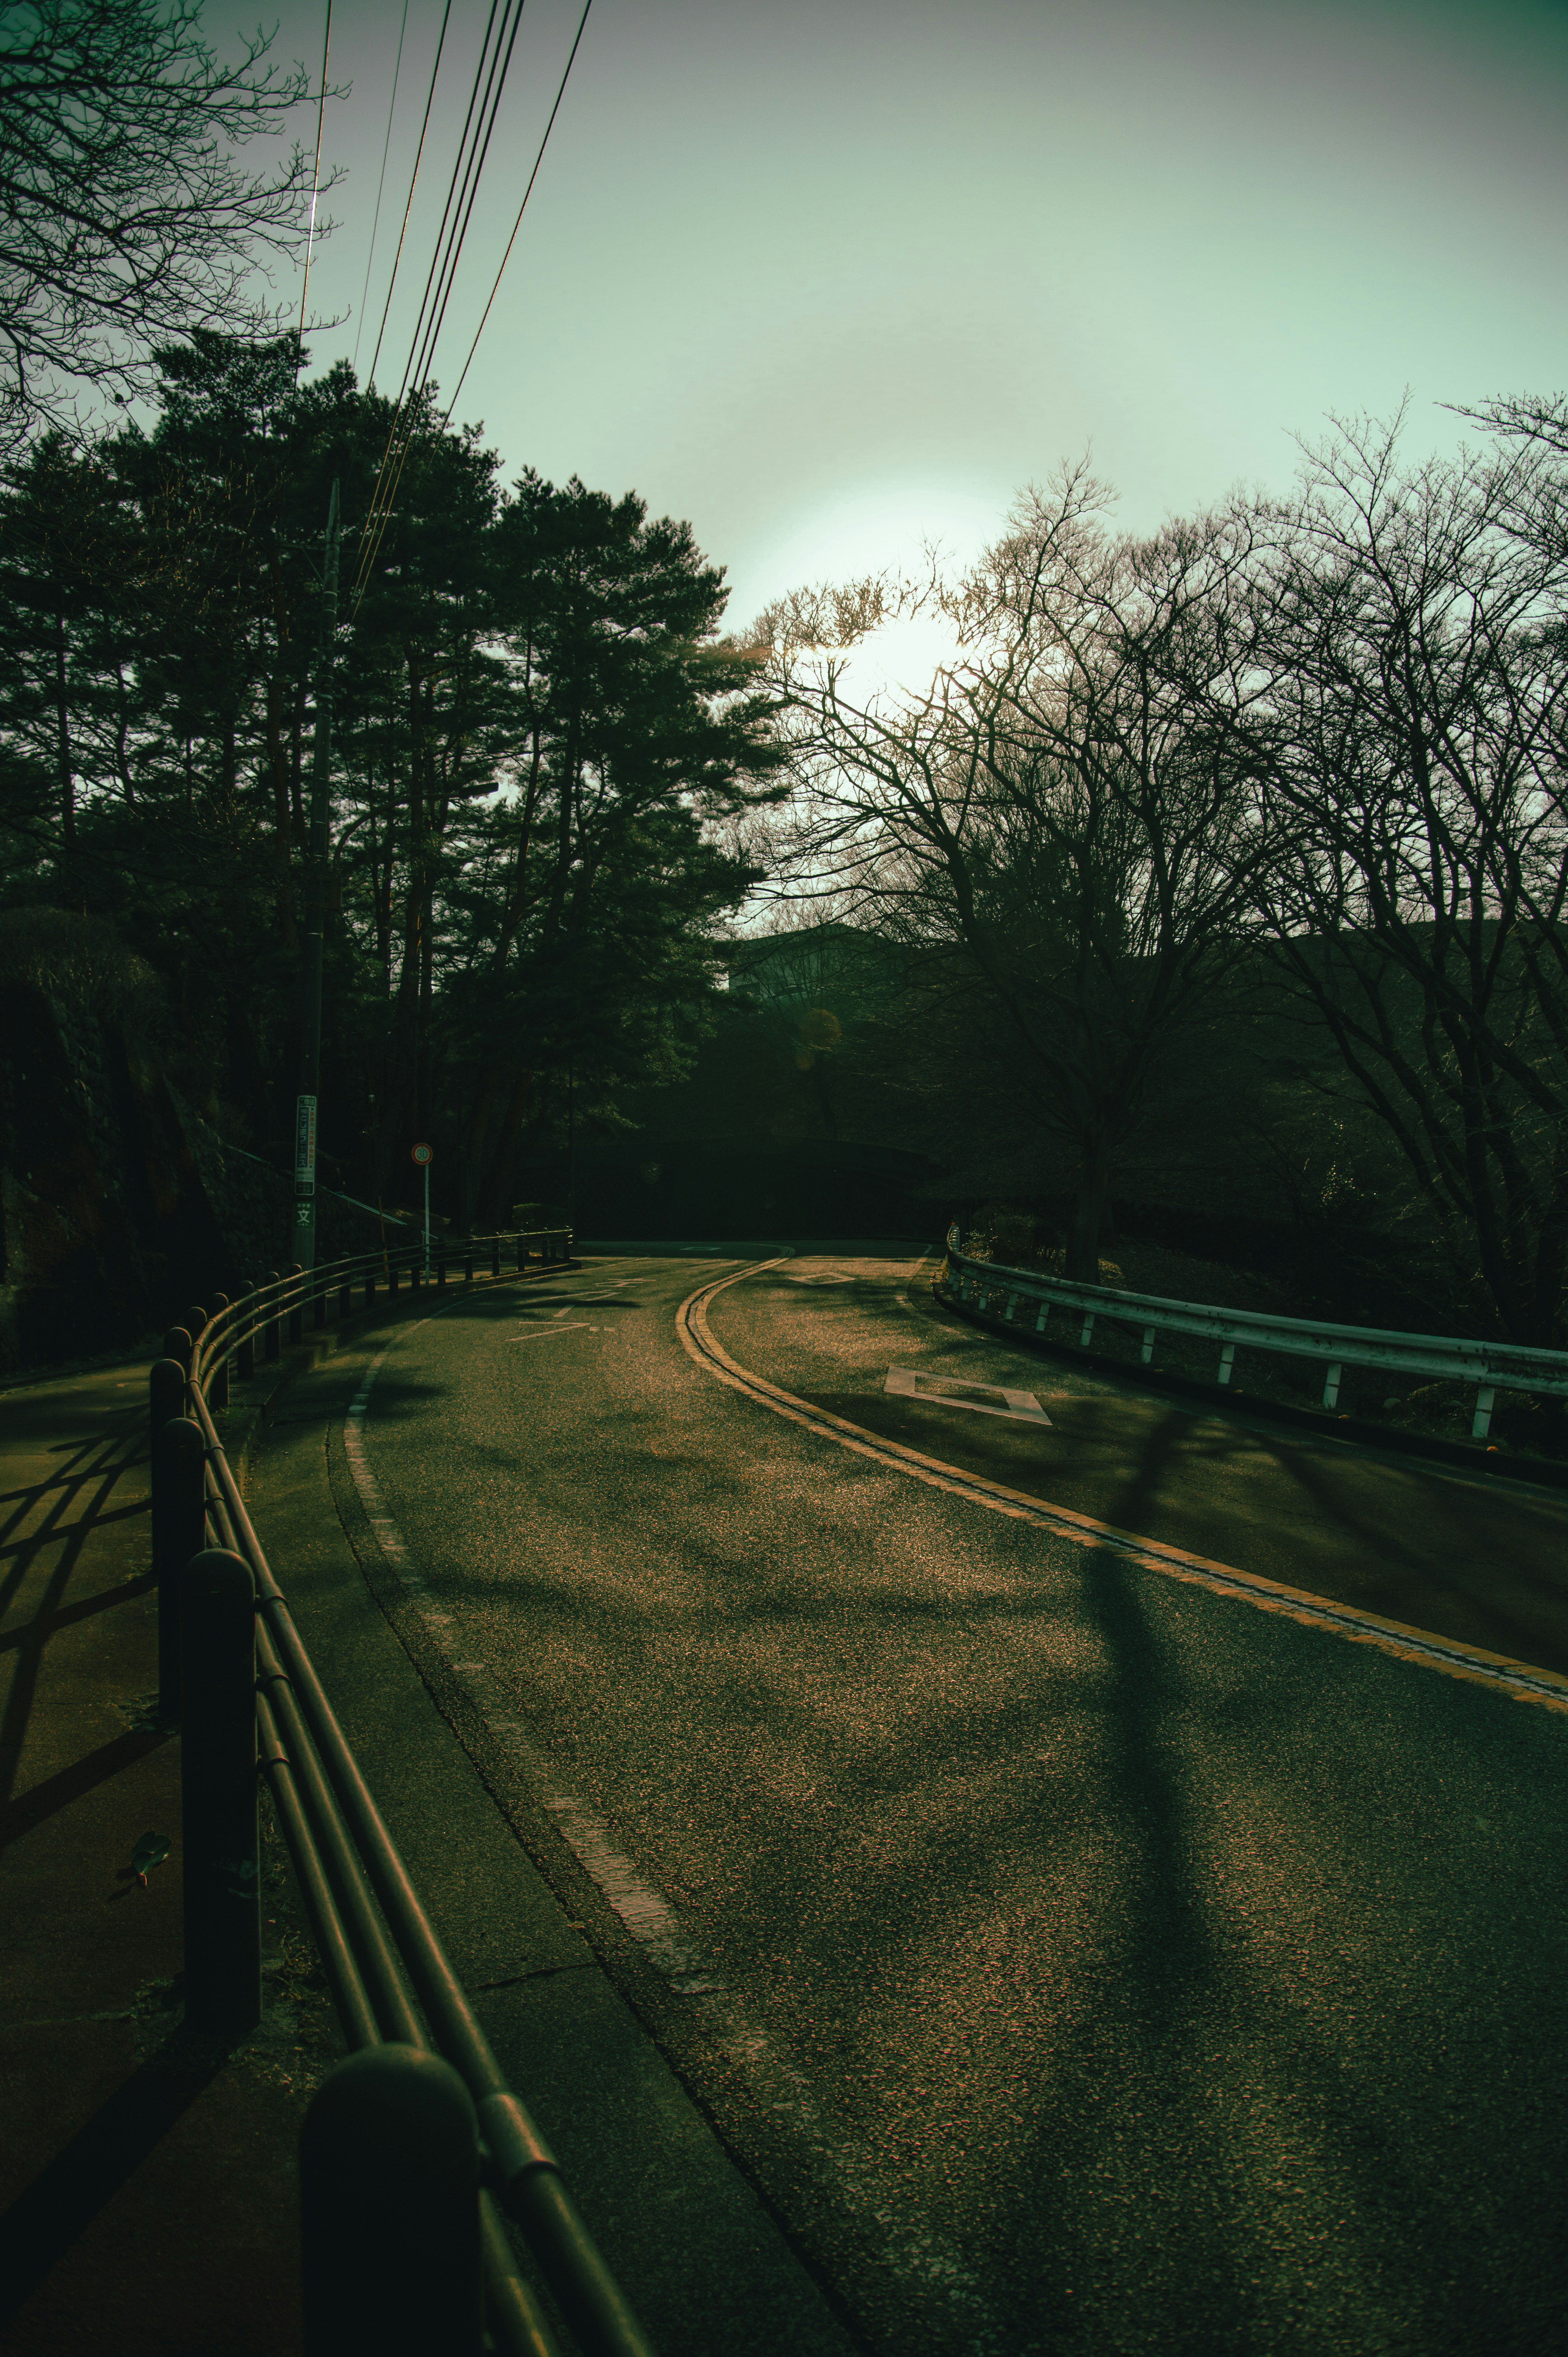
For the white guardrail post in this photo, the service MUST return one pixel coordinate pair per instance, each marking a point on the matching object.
(1491, 1367)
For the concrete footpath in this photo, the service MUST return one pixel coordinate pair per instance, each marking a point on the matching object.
(149, 2179)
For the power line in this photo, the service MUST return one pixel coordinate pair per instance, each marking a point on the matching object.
(381, 184)
(429, 98)
(462, 167)
(372, 512)
(315, 184)
(517, 224)
(456, 214)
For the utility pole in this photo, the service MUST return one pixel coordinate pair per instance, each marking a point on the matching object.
(316, 913)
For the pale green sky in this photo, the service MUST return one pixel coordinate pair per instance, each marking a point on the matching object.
(828, 279)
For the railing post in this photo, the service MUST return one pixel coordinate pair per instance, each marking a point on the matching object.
(1485, 1396)
(177, 1345)
(218, 1389)
(318, 1293)
(271, 1345)
(345, 1297)
(1087, 1329)
(392, 1274)
(165, 1400)
(440, 1272)
(522, 1252)
(369, 1286)
(179, 1531)
(389, 2182)
(217, 1796)
(495, 1255)
(1148, 1350)
(1227, 1361)
(1331, 1386)
(195, 1323)
(296, 1303)
(246, 1352)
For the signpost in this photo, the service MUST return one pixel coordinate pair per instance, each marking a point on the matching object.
(424, 1157)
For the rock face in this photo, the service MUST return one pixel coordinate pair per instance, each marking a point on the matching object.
(119, 1206)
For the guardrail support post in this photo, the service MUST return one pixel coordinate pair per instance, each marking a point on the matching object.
(246, 1353)
(1227, 1361)
(495, 1257)
(370, 1287)
(318, 1303)
(177, 1345)
(1044, 1315)
(165, 1400)
(441, 1272)
(522, 1252)
(217, 1796)
(269, 1344)
(392, 1276)
(346, 1296)
(179, 1531)
(468, 1267)
(218, 1388)
(389, 2166)
(1483, 1424)
(296, 1305)
(1331, 1386)
(1148, 1350)
(1087, 1329)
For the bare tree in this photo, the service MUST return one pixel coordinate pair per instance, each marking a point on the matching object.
(125, 218)
(1071, 812)
(1411, 631)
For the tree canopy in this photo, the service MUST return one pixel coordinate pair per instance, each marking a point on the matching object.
(540, 743)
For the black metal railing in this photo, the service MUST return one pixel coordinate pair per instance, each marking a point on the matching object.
(419, 2124)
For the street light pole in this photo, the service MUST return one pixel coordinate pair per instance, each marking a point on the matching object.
(316, 913)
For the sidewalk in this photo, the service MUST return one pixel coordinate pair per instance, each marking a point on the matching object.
(147, 2182)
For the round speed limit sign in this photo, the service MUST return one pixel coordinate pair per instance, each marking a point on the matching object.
(423, 1153)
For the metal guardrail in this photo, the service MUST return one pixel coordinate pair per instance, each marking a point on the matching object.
(415, 2147)
(1491, 1366)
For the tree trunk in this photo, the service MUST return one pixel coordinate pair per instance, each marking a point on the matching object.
(1091, 1213)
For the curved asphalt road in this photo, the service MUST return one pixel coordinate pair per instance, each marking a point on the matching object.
(1079, 1957)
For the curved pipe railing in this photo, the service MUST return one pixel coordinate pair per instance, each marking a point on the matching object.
(390, 1976)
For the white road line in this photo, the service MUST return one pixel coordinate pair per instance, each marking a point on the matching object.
(546, 1332)
(1022, 1405)
(1521, 1679)
(645, 1913)
(778, 2085)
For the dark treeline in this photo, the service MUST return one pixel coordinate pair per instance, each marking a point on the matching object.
(1283, 781)
(541, 748)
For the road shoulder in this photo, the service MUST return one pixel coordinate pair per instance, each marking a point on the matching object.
(702, 2261)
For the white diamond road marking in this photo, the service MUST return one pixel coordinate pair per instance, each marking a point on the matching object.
(1021, 1406)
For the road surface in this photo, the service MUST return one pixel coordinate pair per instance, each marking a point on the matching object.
(1084, 1940)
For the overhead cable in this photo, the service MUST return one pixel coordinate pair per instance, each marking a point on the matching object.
(381, 184)
(369, 536)
(517, 224)
(458, 213)
(413, 178)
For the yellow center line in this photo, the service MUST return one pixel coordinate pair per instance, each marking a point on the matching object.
(1523, 1680)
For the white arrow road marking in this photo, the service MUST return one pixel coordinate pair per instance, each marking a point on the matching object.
(545, 1332)
(1022, 1405)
